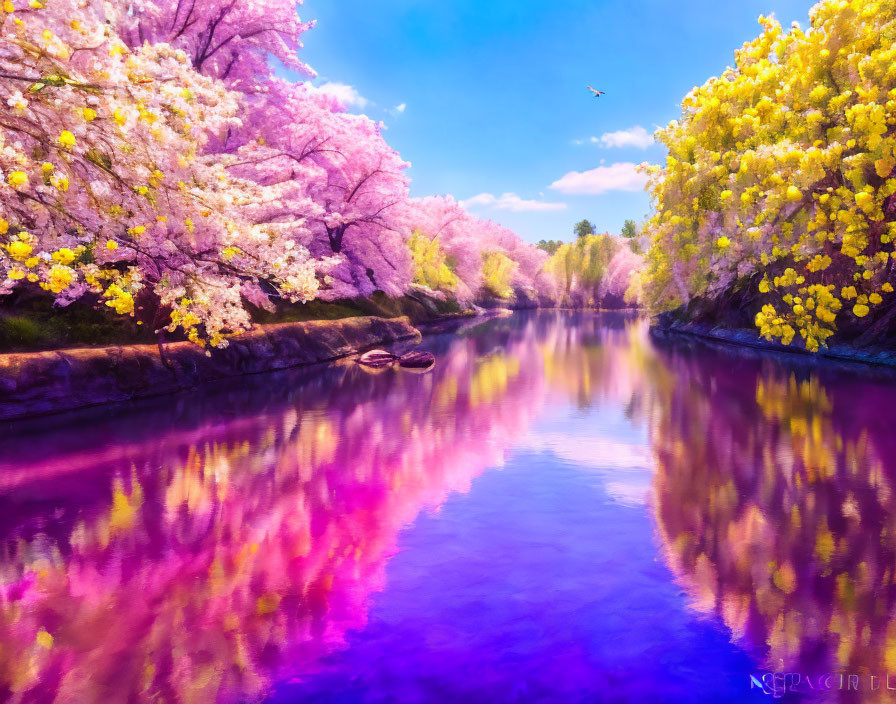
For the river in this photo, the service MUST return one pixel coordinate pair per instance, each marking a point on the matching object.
(563, 510)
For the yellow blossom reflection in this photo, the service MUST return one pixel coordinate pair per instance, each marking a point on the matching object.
(773, 500)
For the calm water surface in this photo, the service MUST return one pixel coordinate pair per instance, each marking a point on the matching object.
(562, 511)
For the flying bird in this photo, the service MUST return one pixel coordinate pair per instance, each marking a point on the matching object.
(597, 93)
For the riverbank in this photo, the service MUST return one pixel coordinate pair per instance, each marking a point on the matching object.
(44, 382)
(39, 383)
(666, 325)
(36, 324)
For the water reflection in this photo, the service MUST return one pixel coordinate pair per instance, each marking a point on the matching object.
(198, 549)
(774, 500)
(206, 547)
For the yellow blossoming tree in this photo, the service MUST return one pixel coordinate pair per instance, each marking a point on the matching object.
(779, 182)
(497, 273)
(430, 264)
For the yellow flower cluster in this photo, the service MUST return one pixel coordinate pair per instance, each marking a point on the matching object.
(60, 278)
(431, 268)
(57, 270)
(67, 140)
(19, 249)
(64, 256)
(229, 253)
(18, 180)
(497, 273)
(121, 301)
(779, 175)
(772, 325)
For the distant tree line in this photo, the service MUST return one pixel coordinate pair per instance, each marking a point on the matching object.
(583, 228)
(596, 270)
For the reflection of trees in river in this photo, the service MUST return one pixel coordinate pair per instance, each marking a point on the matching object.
(186, 551)
(211, 547)
(774, 500)
(594, 359)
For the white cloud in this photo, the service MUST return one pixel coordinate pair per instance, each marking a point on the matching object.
(345, 94)
(481, 199)
(397, 110)
(622, 176)
(510, 201)
(636, 137)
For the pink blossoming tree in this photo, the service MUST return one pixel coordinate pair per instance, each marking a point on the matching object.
(152, 162)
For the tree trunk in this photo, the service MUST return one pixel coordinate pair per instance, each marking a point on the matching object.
(335, 235)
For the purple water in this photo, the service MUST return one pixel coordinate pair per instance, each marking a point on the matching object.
(561, 511)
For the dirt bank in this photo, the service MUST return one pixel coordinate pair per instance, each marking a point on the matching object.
(666, 325)
(37, 383)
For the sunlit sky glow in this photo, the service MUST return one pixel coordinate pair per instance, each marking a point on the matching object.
(488, 99)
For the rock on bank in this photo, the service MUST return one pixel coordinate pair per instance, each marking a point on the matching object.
(46, 382)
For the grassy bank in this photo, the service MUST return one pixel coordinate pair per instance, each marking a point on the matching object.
(36, 324)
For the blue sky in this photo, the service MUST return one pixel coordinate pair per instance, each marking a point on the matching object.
(487, 98)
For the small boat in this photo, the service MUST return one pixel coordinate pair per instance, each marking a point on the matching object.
(378, 359)
(417, 361)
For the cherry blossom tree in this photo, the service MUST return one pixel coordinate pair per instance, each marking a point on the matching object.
(106, 189)
(314, 161)
(228, 39)
(445, 222)
(333, 172)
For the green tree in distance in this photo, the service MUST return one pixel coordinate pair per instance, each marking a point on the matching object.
(584, 228)
(629, 230)
(549, 246)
